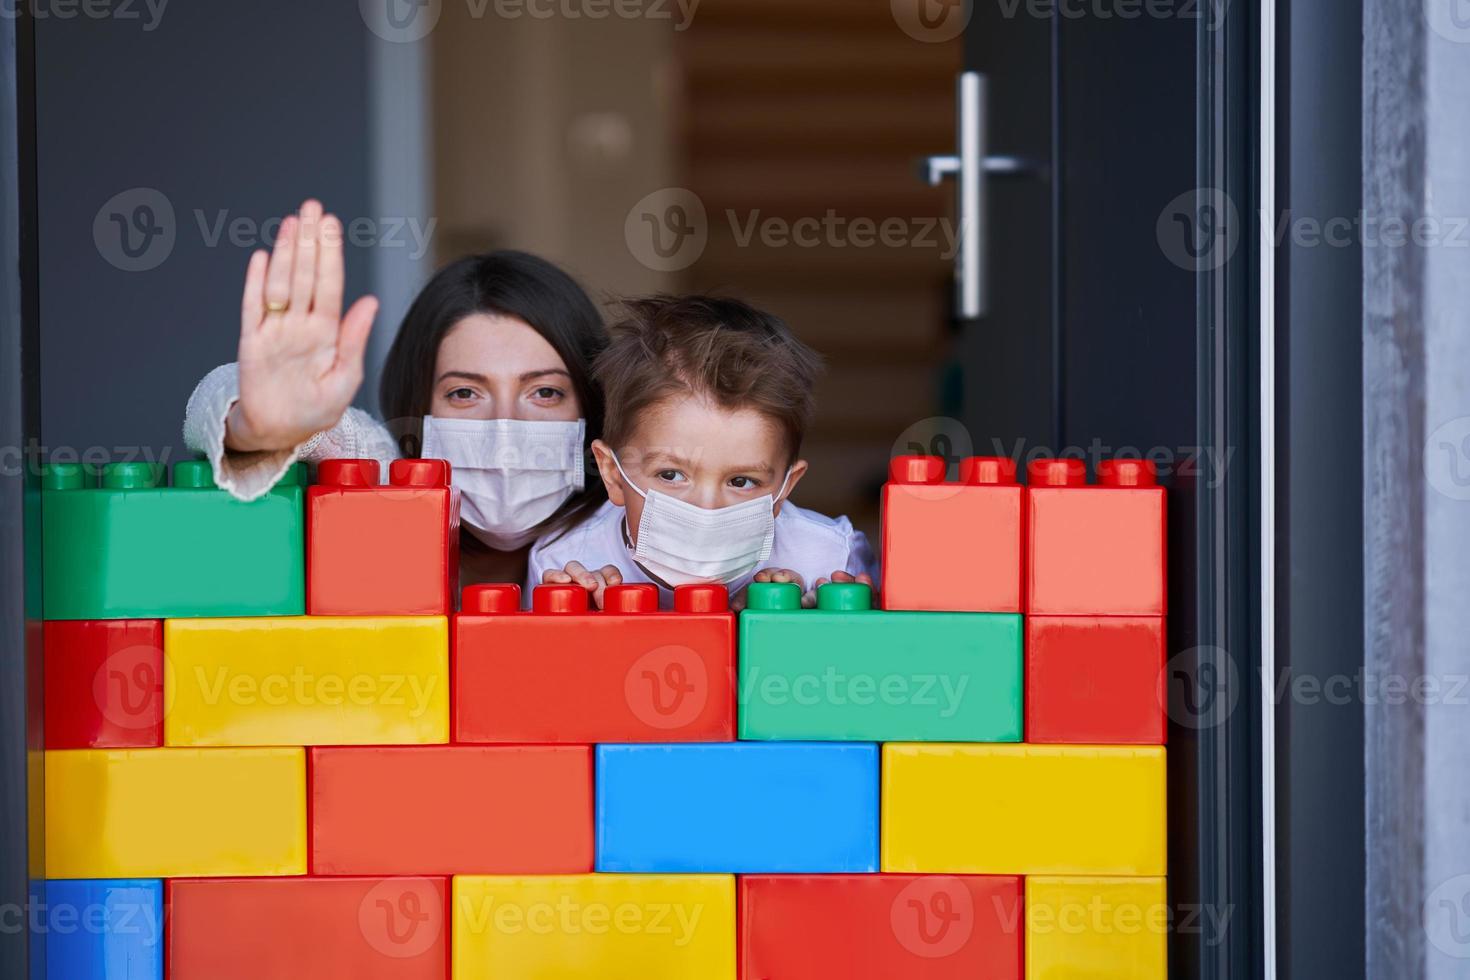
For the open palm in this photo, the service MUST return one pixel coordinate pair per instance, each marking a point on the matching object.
(301, 359)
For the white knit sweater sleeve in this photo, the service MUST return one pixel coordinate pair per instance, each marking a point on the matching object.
(249, 475)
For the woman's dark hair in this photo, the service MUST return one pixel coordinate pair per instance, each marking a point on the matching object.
(507, 283)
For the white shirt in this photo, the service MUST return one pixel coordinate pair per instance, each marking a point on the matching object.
(810, 544)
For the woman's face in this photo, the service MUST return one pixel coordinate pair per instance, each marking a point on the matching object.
(497, 367)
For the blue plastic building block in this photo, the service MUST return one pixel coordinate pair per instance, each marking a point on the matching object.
(738, 807)
(104, 928)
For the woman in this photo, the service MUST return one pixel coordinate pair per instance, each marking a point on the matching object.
(490, 370)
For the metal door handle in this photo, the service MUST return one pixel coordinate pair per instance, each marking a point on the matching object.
(969, 166)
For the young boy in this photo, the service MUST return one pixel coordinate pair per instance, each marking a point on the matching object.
(707, 403)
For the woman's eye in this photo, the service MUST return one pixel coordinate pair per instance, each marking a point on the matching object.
(460, 394)
(548, 394)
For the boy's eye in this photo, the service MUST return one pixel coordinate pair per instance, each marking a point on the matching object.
(669, 476)
(744, 482)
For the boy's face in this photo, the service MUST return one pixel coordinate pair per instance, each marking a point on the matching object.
(690, 448)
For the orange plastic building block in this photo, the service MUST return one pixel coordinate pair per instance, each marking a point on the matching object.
(104, 683)
(453, 809)
(953, 547)
(560, 673)
(1094, 550)
(1095, 679)
(879, 927)
(323, 928)
(375, 550)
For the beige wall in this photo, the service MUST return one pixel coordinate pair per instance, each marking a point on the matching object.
(546, 132)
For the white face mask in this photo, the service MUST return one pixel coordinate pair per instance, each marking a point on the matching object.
(682, 544)
(511, 474)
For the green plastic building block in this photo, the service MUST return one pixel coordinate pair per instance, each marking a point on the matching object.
(847, 672)
(135, 548)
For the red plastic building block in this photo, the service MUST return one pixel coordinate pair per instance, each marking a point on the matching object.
(1094, 550)
(561, 673)
(451, 809)
(1095, 680)
(880, 927)
(952, 547)
(376, 550)
(104, 683)
(323, 928)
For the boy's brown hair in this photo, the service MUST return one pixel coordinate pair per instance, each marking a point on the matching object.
(705, 345)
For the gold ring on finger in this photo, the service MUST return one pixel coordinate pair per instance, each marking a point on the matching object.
(277, 306)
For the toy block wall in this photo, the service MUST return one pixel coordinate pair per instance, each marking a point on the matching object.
(368, 783)
(628, 673)
(133, 547)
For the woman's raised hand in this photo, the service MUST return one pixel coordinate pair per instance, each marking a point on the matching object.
(300, 357)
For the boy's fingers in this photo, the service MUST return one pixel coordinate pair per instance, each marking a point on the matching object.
(764, 575)
(553, 577)
(865, 579)
(840, 576)
(611, 575)
(808, 600)
(820, 582)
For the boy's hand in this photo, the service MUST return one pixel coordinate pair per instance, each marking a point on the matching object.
(843, 577)
(787, 575)
(595, 582)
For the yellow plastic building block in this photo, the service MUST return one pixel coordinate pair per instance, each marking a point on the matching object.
(1023, 809)
(167, 813)
(1099, 928)
(306, 680)
(549, 927)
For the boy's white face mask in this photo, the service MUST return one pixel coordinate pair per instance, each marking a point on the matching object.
(512, 474)
(682, 544)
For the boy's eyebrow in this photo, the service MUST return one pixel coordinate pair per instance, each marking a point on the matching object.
(654, 456)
